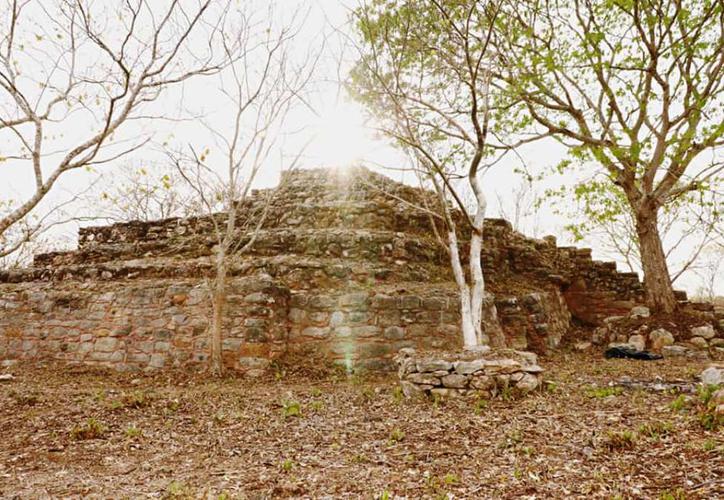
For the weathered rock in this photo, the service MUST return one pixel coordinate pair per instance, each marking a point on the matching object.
(433, 365)
(482, 382)
(502, 366)
(673, 351)
(660, 338)
(699, 342)
(468, 367)
(423, 378)
(455, 381)
(640, 312)
(638, 342)
(411, 390)
(713, 375)
(705, 332)
(582, 346)
(6, 377)
(527, 383)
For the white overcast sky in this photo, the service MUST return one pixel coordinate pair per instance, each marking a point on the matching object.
(336, 131)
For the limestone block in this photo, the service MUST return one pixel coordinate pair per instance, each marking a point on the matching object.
(423, 378)
(468, 367)
(638, 342)
(640, 312)
(454, 380)
(660, 338)
(699, 342)
(106, 344)
(394, 333)
(424, 366)
(673, 351)
(713, 375)
(706, 332)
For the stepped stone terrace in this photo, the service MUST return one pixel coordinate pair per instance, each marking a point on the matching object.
(345, 265)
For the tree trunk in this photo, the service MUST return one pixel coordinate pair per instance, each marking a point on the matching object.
(657, 280)
(218, 302)
(477, 285)
(467, 317)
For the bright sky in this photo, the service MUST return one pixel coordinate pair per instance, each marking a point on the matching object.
(336, 130)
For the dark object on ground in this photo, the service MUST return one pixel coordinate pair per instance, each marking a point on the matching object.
(629, 352)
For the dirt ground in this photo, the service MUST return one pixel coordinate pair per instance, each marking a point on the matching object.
(77, 432)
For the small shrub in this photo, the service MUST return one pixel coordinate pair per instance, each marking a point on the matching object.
(287, 465)
(655, 430)
(620, 440)
(90, 429)
(603, 392)
(385, 495)
(709, 445)
(316, 406)
(133, 432)
(316, 392)
(291, 409)
(679, 404)
(677, 494)
(480, 406)
(450, 479)
(178, 490)
(396, 435)
(397, 394)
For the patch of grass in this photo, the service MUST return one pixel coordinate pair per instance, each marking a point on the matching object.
(287, 465)
(550, 386)
(316, 406)
(178, 490)
(133, 432)
(90, 429)
(397, 395)
(173, 405)
(677, 494)
(385, 495)
(450, 479)
(291, 409)
(25, 399)
(131, 400)
(480, 406)
(620, 440)
(707, 415)
(603, 392)
(679, 404)
(396, 435)
(316, 392)
(709, 445)
(655, 430)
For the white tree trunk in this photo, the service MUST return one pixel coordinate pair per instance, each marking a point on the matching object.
(477, 286)
(467, 316)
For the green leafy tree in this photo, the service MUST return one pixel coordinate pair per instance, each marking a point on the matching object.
(633, 88)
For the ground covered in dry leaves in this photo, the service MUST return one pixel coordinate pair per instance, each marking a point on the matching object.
(79, 432)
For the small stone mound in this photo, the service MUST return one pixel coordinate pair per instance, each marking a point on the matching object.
(689, 333)
(481, 372)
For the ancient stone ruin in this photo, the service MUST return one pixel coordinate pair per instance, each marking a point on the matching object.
(481, 372)
(344, 265)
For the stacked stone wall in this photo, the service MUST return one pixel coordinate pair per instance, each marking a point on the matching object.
(344, 263)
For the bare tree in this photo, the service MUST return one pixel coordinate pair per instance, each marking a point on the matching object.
(74, 74)
(424, 69)
(261, 88)
(153, 191)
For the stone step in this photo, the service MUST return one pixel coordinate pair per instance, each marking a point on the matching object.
(351, 243)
